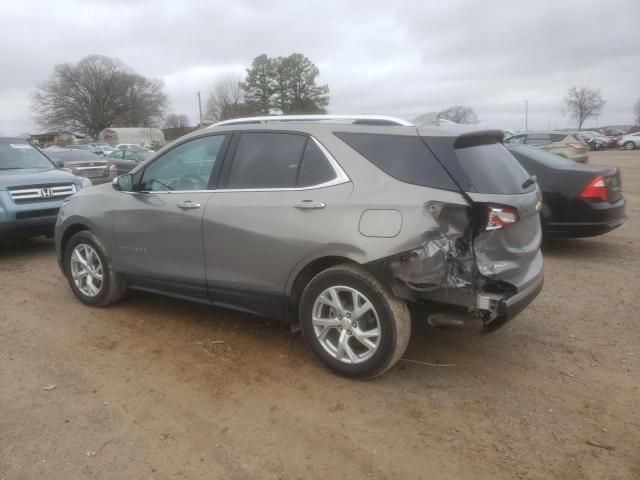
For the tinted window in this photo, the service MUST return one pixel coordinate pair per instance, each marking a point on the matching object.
(538, 139)
(186, 167)
(315, 168)
(558, 137)
(405, 158)
(528, 155)
(492, 169)
(267, 160)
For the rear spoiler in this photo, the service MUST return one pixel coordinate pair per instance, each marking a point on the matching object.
(480, 137)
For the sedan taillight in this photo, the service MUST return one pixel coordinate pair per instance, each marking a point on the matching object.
(576, 145)
(500, 217)
(112, 168)
(596, 190)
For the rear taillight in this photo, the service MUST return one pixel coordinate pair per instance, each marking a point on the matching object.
(500, 217)
(576, 145)
(112, 168)
(596, 190)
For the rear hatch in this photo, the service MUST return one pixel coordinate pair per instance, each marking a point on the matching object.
(506, 203)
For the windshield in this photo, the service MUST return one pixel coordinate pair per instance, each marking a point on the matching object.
(16, 154)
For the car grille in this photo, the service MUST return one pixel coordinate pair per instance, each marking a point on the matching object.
(41, 193)
(47, 212)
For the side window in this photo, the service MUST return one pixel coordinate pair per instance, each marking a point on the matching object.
(315, 168)
(266, 160)
(405, 158)
(129, 155)
(538, 139)
(186, 167)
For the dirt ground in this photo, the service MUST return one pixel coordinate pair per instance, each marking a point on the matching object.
(155, 388)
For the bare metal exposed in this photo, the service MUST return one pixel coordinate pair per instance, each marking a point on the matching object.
(335, 225)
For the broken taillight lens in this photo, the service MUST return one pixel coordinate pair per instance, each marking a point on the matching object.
(500, 217)
(596, 190)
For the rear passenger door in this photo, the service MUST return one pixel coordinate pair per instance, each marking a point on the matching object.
(275, 204)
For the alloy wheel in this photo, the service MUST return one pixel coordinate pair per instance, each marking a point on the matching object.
(86, 270)
(346, 324)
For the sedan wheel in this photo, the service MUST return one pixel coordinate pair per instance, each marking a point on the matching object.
(629, 145)
(86, 270)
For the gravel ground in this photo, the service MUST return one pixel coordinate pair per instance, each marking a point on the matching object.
(155, 388)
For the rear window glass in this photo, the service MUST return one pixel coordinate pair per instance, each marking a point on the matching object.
(538, 139)
(528, 155)
(404, 158)
(492, 169)
(558, 137)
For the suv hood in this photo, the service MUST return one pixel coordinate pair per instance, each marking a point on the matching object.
(17, 178)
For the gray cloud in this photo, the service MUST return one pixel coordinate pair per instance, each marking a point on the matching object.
(402, 57)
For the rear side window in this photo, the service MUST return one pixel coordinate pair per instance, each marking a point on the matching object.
(278, 160)
(492, 169)
(558, 137)
(315, 169)
(405, 158)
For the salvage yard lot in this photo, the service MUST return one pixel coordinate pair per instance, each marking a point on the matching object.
(158, 388)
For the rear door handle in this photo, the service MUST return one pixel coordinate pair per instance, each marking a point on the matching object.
(309, 205)
(188, 204)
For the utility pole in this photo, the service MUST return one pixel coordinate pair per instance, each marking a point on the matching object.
(526, 116)
(200, 107)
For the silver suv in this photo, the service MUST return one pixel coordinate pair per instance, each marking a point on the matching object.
(336, 226)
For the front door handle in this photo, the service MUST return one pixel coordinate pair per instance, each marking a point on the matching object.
(309, 205)
(188, 204)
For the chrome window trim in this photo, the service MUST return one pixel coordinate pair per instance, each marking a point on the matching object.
(341, 178)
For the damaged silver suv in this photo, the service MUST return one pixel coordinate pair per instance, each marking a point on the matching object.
(335, 225)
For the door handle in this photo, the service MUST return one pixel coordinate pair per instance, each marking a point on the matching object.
(188, 204)
(309, 205)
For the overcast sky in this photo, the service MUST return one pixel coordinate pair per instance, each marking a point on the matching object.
(390, 57)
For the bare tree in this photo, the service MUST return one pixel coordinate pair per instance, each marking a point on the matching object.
(636, 111)
(582, 103)
(176, 121)
(96, 93)
(226, 99)
(459, 114)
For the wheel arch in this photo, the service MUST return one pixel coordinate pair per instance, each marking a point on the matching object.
(69, 232)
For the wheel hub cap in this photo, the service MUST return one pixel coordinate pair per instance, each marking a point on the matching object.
(346, 324)
(86, 270)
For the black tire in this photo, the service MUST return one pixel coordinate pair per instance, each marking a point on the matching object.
(629, 146)
(393, 316)
(113, 287)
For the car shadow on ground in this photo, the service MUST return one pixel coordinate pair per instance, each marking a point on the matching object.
(579, 248)
(33, 246)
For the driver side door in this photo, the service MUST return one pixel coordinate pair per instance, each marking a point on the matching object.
(158, 229)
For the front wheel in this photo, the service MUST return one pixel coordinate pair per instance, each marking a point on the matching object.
(353, 323)
(89, 271)
(629, 145)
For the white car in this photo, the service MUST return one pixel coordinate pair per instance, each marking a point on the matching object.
(630, 142)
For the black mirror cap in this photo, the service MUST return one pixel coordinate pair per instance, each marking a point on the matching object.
(58, 162)
(123, 183)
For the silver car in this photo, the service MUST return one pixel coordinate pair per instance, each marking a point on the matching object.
(336, 226)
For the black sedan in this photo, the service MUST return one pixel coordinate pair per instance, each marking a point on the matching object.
(83, 164)
(124, 160)
(578, 200)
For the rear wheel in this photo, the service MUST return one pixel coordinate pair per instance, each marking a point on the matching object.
(629, 145)
(353, 323)
(89, 271)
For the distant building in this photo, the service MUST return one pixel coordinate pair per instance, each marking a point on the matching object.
(61, 139)
(139, 136)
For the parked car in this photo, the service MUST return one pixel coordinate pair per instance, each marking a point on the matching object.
(578, 200)
(124, 160)
(630, 141)
(127, 146)
(102, 150)
(332, 228)
(84, 164)
(560, 143)
(31, 190)
(84, 147)
(592, 140)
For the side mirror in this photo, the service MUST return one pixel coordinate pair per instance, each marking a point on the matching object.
(58, 162)
(123, 183)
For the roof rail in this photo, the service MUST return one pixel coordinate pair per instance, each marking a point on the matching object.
(356, 119)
